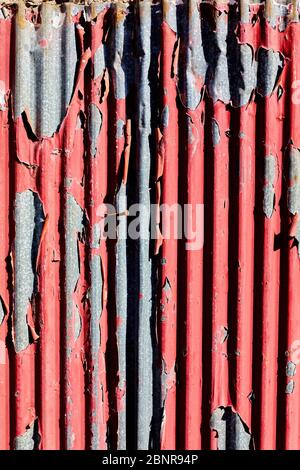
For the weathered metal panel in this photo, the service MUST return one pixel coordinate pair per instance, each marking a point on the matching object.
(116, 331)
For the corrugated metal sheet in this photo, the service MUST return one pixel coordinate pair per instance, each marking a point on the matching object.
(142, 343)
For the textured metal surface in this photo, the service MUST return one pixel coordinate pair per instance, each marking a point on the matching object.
(145, 342)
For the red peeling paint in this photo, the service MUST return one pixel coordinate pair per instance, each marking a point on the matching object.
(168, 164)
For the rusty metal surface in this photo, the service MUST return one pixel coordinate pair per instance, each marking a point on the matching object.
(149, 342)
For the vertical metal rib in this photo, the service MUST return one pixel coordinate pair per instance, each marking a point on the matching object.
(95, 341)
(29, 221)
(121, 306)
(119, 72)
(144, 392)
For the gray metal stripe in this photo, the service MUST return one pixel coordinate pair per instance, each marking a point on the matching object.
(29, 219)
(45, 65)
(145, 353)
(95, 296)
(121, 307)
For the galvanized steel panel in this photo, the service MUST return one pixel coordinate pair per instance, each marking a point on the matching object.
(107, 107)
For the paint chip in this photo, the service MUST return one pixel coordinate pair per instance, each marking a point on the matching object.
(290, 369)
(290, 387)
(231, 431)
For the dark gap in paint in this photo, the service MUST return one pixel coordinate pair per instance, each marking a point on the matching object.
(87, 199)
(30, 134)
(282, 397)
(207, 273)
(111, 355)
(36, 437)
(233, 261)
(153, 77)
(181, 262)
